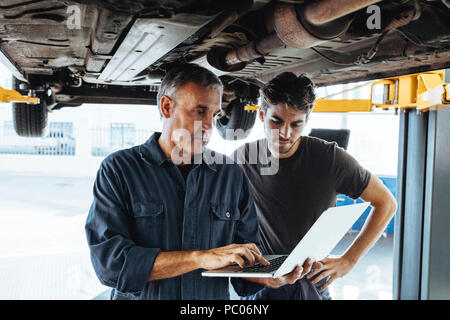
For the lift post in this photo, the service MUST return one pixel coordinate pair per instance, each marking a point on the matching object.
(422, 222)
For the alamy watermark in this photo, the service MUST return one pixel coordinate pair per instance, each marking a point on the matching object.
(74, 17)
(257, 153)
(374, 20)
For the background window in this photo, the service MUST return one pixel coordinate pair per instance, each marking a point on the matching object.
(122, 135)
(59, 140)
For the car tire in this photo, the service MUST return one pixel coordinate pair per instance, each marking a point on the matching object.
(235, 118)
(30, 120)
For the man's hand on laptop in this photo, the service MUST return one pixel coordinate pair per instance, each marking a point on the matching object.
(333, 268)
(234, 253)
(290, 278)
(309, 265)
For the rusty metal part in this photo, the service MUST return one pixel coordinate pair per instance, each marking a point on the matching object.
(327, 31)
(399, 56)
(254, 49)
(290, 30)
(224, 22)
(403, 19)
(228, 17)
(216, 59)
(324, 11)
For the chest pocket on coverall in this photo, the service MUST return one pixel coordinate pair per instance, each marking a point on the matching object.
(224, 219)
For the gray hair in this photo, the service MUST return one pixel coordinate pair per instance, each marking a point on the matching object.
(184, 73)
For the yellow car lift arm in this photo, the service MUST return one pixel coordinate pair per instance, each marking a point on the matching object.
(14, 96)
(422, 91)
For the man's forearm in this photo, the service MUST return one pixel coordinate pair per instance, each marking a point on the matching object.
(174, 263)
(384, 209)
(373, 228)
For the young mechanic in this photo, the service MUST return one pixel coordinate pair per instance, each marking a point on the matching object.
(158, 219)
(311, 173)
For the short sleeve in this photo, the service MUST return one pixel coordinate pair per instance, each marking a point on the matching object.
(351, 178)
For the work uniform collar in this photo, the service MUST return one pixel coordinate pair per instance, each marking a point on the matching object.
(151, 152)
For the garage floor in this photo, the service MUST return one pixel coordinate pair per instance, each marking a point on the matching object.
(43, 250)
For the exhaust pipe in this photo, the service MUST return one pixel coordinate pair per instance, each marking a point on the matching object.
(296, 26)
(324, 11)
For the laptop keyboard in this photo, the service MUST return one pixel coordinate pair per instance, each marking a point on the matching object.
(258, 267)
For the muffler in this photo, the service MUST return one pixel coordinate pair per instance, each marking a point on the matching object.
(298, 26)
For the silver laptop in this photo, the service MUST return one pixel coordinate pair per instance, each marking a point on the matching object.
(318, 242)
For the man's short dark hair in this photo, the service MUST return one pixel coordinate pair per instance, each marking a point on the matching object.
(184, 73)
(295, 91)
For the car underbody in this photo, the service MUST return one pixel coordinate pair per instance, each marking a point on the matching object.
(74, 52)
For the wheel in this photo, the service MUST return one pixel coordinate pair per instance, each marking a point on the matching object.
(237, 123)
(30, 120)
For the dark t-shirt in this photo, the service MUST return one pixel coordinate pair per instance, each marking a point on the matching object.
(306, 184)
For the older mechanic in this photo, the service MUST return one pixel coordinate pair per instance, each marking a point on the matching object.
(158, 219)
